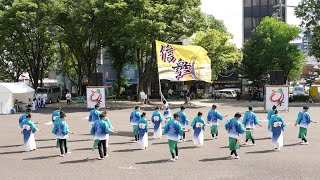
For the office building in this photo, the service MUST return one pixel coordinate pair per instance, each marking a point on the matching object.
(255, 10)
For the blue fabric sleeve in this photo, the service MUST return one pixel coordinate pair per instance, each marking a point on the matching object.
(90, 116)
(255, 119)
(209, 116)
(244, 120)
(193, 123)
(33, 127)
(299, 118)
(93, 131)
(219, 116)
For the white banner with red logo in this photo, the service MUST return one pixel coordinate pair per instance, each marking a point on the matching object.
(278, 96)
(95, 95)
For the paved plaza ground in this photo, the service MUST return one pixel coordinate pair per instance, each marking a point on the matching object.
(127, 161)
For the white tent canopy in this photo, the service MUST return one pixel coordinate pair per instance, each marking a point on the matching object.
(11, 91)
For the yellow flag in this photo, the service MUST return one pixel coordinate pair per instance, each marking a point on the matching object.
(183, 63)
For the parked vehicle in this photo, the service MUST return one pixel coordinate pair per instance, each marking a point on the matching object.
(298, 90)
(228, 93)
(53, 93)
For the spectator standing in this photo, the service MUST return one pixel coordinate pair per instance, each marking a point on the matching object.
(68, 97)
(170, 91)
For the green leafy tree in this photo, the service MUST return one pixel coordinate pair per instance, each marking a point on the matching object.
(164, 20)
(308, 11)
(269, 48)
(82, 25)
(26, 39)
(217, 42)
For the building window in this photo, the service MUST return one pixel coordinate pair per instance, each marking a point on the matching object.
(247, 3)
(272, 2)
(247, 22)
(256, 21)
(256, 2)
(264, 2)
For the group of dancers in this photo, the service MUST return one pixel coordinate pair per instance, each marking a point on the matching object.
(175, 127)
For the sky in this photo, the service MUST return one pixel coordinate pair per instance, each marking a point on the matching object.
(230, 12)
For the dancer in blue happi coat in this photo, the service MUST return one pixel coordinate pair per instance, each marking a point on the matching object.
(277, 127)
(213, 119)
(24, 116)
(56, 114)
(250, 121)
(94, 114)
(142, 128)
(106, 119)
(173, 130)
(270, 114)
(28, 130)
(198, 125)
(100, 129)
(183, 121)
(134, 118)
(303, 121)
(167, 111)
(156, 119)
(234, 128)
(61, 130)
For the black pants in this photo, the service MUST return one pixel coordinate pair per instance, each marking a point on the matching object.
(251, 140)
(234, 152)
(102, 147)
(63, 142)
(304, 139)
(68, 101)
(176, 149)
(214, 134)
(136, 137)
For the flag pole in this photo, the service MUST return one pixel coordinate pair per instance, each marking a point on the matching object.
(160, 90)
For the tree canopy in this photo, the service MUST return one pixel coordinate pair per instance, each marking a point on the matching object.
(269, 48)
(308, 11)
(216, 40)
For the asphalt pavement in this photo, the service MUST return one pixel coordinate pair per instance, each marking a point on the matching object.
(127, 161)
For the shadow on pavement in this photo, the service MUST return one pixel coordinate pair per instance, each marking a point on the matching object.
(41, 157)
(159, 143)
(79, 140)
(120, 143)
(294, 144)
(126, 150)
(214, 159)
(45, 139)
(12, 152)
(154, 162)
(224, 147)
(82, 149)
(46, 147)
(8, 146)
(78, 161)
(189, 147)
(260, 139)
(261, 152)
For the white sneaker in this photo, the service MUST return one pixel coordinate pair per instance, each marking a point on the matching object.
(61, 155)
(177, 158)
(230, 157)
(305, 143)
(184, 140)
(237, 157)
(217, 137)
(107, 155)
(173, 160)
(69, 152)
(244, 144)
(99, 158)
